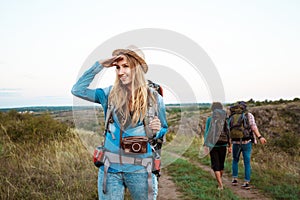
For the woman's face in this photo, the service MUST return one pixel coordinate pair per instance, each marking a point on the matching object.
(123, 70)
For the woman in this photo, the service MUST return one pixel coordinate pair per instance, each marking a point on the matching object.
(217, 152)
(128, 154)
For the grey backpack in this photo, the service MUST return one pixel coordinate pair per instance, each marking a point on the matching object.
(218, 132)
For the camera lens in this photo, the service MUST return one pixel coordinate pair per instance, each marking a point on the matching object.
(136, 147)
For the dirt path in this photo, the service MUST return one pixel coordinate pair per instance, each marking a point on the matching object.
(253, 193)
(168, 190)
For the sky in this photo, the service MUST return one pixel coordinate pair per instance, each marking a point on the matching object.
(254, 44)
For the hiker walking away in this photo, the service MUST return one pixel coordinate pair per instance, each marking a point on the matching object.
(127, 160)
(216, 139)
(242, 126)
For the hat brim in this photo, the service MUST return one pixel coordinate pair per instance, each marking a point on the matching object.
(133, 54)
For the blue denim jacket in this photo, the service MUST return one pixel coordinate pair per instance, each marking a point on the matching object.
(100, 95)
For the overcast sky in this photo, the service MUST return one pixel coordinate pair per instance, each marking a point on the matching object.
(254, 45)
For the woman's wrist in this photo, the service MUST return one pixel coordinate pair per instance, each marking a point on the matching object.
(259, 137)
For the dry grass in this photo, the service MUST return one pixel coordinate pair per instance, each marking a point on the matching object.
(36, 163)
(55, 170)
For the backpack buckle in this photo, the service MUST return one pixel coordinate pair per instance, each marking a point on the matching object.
(138, 161)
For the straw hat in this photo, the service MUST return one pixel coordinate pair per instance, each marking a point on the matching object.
(134, 52)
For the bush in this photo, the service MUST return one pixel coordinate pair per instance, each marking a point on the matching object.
(288, 142)
(25, 127)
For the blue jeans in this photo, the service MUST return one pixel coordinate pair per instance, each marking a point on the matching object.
(136, 182)
(246, 150)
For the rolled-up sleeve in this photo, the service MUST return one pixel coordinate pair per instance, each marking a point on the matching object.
(252, 121)
(81, 90)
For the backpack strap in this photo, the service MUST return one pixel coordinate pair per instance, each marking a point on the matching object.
(155, 143)
(151, 113)
(108, 120)
(227, 130)
(246, 123)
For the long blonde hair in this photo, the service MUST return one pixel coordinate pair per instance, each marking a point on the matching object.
(134, 101)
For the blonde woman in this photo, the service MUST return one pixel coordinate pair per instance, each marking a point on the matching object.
(128, 156)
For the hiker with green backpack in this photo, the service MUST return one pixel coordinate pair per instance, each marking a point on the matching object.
(135, 123)
(243, 132)
(216, 140)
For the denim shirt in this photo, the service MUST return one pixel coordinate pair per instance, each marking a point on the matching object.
(100, 95)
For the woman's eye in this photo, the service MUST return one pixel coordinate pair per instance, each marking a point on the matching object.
(125, 66)
(117, 67)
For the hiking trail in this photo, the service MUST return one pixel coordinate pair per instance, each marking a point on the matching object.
(168, 189)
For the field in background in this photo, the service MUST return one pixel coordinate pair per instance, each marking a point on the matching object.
(275, 166)
(42, 156)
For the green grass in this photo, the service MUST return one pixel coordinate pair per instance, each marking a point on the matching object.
(279, 184)
(195, 183)
(275, 174)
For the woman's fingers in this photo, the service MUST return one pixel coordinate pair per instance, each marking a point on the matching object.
(155, 124)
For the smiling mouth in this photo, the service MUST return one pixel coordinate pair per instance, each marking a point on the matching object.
(123, 78)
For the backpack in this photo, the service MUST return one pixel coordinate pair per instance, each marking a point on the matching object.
(218, 128)
(239, 124)
(156, 87)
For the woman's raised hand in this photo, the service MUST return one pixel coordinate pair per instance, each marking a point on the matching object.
(111, 61)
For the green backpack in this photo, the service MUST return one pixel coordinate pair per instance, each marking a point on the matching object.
(239, 124)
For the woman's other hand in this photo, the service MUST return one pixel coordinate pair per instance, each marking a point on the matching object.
(155, 124)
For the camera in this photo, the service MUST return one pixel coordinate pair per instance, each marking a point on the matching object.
(134, 144)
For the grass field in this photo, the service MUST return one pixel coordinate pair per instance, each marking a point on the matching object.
(43, 158)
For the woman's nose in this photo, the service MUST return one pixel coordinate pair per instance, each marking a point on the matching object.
(121, 70)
